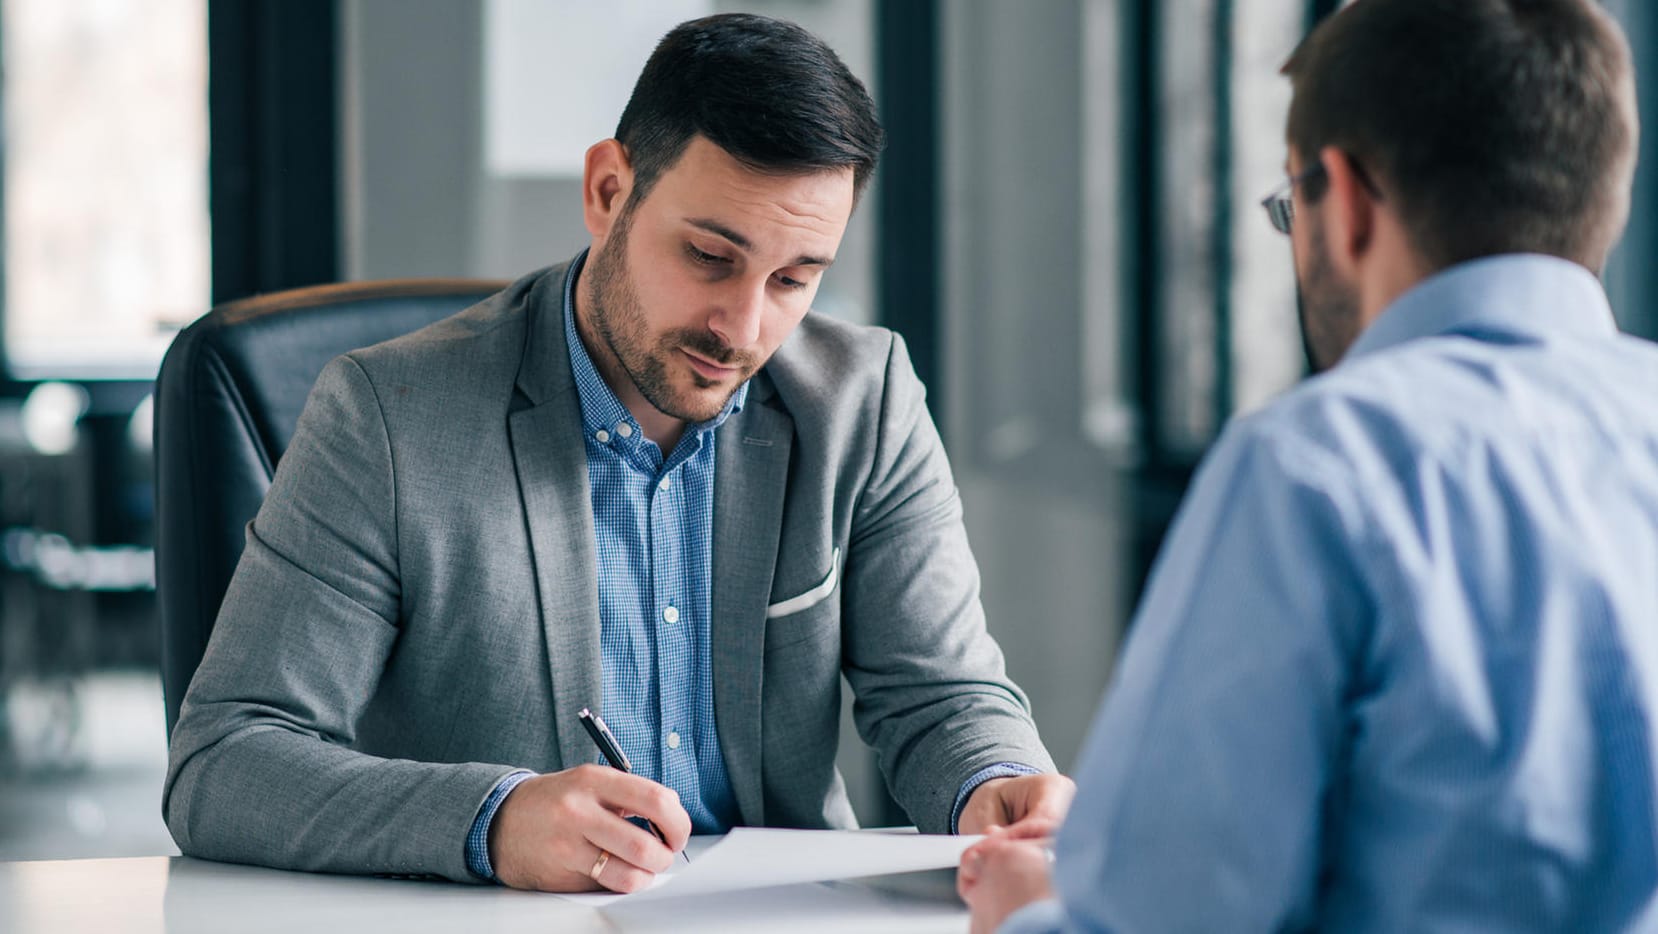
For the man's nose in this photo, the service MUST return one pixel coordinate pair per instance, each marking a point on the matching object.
(737, 320)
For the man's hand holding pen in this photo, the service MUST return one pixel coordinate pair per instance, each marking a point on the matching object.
(568, 831)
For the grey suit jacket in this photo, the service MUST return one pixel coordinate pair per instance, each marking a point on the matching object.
(416, 613)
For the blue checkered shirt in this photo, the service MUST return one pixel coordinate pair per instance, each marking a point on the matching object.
(653, 520)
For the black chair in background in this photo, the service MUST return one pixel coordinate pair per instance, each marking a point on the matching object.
(229, 394)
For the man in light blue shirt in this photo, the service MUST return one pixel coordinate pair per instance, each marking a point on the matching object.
(1397, 666)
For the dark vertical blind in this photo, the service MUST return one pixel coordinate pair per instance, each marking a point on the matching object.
(273, 144)
(1632, 277)
(1222, 167)
(909, 256)
(1318, 9)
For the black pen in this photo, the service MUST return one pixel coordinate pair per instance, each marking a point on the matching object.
(616, 759)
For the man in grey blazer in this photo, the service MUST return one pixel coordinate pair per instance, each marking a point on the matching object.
(647, 482)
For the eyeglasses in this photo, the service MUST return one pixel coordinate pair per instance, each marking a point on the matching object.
(1280, 205)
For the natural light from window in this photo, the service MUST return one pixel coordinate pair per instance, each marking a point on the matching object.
(106, 231)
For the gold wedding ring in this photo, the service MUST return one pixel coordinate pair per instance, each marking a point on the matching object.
(598, 867)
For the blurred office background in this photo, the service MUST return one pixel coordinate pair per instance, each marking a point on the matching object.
(1064, 228)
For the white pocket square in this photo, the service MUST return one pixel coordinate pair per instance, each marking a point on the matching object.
(811, 597)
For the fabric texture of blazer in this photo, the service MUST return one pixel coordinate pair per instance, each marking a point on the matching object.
(416, 612)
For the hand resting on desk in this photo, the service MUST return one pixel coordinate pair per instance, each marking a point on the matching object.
(1038, 801)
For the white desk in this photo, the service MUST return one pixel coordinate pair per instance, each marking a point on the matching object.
(180, 895)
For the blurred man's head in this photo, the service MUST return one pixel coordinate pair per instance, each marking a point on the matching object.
(718, 206)
(1426, 133)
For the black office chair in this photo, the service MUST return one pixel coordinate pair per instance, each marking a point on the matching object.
(229, 394)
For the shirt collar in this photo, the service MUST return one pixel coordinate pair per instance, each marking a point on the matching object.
(600, 409)
(1525, 295)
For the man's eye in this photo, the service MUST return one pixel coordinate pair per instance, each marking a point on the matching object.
(706, 259)
(789, 283)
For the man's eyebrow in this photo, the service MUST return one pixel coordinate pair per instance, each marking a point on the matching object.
(743, 243)
(715, 227)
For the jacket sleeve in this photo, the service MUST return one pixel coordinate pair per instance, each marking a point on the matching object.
(932, 693)
(260, 767)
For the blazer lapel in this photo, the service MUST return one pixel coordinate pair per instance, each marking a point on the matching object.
(551, 461)
(750, 480)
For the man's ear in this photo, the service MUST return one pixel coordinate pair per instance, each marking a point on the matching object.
(1349, 211)
(606, 181)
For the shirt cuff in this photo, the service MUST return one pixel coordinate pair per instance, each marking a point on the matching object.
(1041, 917)
(477, 841)
(999, 770)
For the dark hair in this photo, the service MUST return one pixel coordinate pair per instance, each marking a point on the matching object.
(768, 92)
(1499, 126)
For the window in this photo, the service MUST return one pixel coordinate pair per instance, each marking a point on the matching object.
(105, 182)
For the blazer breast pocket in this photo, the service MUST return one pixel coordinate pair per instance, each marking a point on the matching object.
(817, 594)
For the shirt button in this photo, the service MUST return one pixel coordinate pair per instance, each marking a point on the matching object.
(664, 484)
(624, 429)
(670, 615)
(673, 740)
(602, 435)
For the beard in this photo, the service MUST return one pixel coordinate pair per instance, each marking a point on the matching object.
(1326, 307)
(623, 325)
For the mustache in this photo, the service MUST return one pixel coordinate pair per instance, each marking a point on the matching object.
(706, 344)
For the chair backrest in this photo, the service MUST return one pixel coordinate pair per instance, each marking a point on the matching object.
(229, 394)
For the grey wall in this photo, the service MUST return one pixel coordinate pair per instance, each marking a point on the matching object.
(416, 197)
(1030, 274)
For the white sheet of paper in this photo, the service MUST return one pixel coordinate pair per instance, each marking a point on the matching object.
(754, 857)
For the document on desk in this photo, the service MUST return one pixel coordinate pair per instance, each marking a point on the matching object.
(754, 857)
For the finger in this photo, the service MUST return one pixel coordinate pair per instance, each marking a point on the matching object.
(966, 881)
(972, 861)
(1032, 828)
(975, 858)
(1051, 795)
(1051, 806)
(613, 873)
(629, 842)
(636, 796)
(1021, 858)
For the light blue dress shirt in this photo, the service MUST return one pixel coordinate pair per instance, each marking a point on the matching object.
(1397, 665)
(653, 520)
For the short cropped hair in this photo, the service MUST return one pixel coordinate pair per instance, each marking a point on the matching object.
(1500, 126)
(768, 92)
